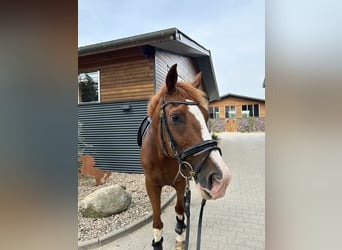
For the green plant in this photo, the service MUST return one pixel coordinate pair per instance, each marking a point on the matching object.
(243, 130)
(250, 122)
(210, 124)
(215, 137)
(82, 145)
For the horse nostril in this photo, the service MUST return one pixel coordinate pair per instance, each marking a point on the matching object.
(214, 177)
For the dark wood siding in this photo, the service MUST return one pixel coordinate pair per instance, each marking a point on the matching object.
(124, 74)
(163, 61)
(109, 134)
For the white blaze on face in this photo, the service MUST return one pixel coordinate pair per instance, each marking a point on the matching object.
(195, 110)
(219, 186)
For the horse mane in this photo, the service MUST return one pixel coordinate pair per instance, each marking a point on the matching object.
(184, 90)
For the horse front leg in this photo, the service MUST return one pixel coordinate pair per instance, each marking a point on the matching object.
(179, 208)
(154, 192)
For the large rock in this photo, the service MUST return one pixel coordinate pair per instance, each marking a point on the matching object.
(105, 201)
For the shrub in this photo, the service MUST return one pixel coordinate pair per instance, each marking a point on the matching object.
(243, 130)
(214, 137)
(251, 122)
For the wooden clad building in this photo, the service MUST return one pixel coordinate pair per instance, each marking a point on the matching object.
(116, 80)
(236, 113)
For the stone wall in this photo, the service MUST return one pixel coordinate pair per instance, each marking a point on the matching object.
(251, 124)
(216, 125)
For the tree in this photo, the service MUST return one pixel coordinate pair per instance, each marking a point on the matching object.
(88, 88)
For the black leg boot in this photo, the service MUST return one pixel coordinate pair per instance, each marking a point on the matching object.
(180, 226)
(157, 245)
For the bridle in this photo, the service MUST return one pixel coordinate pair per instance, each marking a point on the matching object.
(194, 150)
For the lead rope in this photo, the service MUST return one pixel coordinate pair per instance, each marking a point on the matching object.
(187, 199)
(199, 229)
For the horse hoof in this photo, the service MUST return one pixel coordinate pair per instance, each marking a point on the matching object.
(179, 245)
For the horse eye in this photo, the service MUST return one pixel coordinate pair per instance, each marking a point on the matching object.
(176, 118)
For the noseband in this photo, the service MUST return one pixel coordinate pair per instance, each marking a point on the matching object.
(194, 150)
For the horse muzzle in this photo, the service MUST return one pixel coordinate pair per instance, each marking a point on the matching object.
(213, 184)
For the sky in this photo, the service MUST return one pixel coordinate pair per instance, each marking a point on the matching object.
(233, 30)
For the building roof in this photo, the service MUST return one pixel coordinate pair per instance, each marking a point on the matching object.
(241, 96)
(172, 40)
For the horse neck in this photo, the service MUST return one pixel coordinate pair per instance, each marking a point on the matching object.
(155, 143)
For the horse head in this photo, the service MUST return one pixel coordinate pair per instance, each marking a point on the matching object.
(185, 135)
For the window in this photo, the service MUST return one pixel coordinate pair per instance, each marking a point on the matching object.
(230, 111)
(251, 110)
(256, 110)
(214, 112)
(89, 87)
(244, 112)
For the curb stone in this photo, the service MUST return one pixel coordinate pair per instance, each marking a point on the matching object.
(102, 240)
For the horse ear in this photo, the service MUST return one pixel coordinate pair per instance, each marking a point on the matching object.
(197, 81)
(171, 78)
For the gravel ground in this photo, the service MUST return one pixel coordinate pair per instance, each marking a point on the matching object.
(90, 228)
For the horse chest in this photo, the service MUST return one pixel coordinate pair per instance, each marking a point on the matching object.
(161, 173)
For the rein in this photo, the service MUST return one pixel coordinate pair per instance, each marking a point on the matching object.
(194, 150)
(187, 200)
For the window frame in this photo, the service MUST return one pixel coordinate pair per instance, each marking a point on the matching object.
(98, 86)
(230, 111)
(215, 114)
(250, 110)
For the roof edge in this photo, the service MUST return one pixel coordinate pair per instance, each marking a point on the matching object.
(142, 39)
(241, 96)
(127, 42)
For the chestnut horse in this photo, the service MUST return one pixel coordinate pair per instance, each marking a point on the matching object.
(177, 146)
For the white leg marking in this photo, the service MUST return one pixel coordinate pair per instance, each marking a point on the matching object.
(157, 234)
(180, 216)
(180, 237)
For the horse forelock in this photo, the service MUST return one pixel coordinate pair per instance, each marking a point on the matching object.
(187, 91)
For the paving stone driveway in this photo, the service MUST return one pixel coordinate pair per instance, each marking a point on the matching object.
(236, 221)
